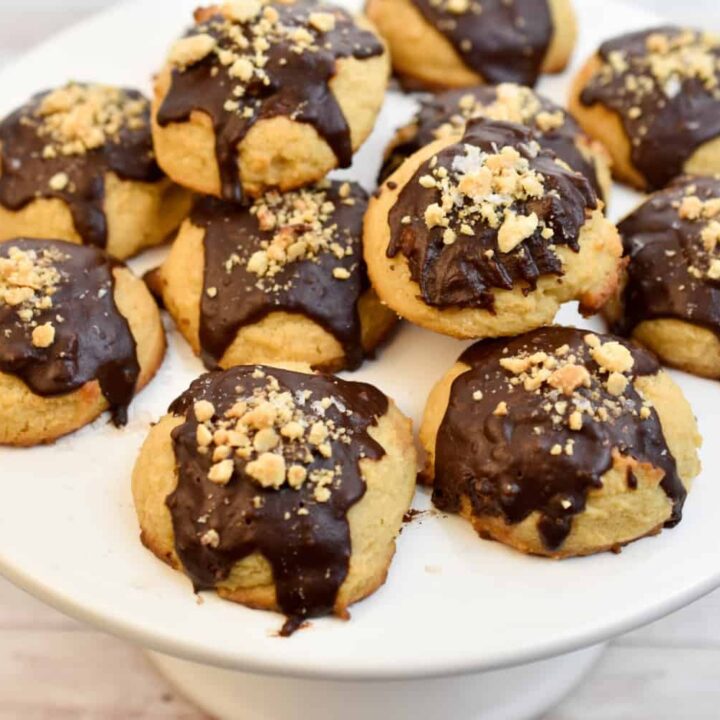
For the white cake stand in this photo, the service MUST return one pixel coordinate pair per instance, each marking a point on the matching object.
(464, 629)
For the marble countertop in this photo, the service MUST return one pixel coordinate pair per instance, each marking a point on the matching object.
(52, 667)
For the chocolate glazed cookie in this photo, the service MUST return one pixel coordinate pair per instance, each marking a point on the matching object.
(280, 280)
(280, 489)
(560, 442)
(447, 113)
(670, 300)
(460, 43)
(92, 341)
(486, 235)
(653, 99)
(514, 54)
(250, 62)
(87, 149)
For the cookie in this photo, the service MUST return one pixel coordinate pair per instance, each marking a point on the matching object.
(488, 235)
(282, 280)
(267, 94)
(77, 163)
(653, 99)
(446, 114)
(79, 334)
(560, 442)
(280, 489)
(460, 43)
(669, 299)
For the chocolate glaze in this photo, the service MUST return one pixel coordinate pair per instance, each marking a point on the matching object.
(505, 467)
(309, 554)
(505, 42)
(661, 248)
(26, 174)
(298, 88)
(669, 129)
(444, 108)
(461, 274)
(93, 342)
(304, 286)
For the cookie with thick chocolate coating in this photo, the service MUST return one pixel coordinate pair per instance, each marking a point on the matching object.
(264, 94)
(77, 163)
(460, 43)
(281, 280)
(653, 99)
(280, 489)
(669, 297)
(446, 114)
(487, 235)
(560, 442)
(79, 334)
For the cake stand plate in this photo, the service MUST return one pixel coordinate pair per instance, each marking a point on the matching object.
(455, 610)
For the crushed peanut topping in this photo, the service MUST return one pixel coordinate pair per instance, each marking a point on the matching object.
(485, 187)
(28, 281)
(303, 228)
(76, 119)
(669, 60)
(279, 436)
(513, 103)
(705, 215)
(572, 393)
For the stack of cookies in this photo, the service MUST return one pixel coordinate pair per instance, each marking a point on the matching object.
(283, 487)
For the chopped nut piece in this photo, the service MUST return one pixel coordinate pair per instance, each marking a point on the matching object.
(43, 336)
(191, 50)
(268, 470)
(210, 539)
(613, 357)
(221, 472)
(569, 378)
(501, 409)
(59, 181)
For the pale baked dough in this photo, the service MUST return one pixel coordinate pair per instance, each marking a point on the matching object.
(424, 55)
(615, 514)
(28, 419)
(139, 215)
(374, 521)
(278, 337)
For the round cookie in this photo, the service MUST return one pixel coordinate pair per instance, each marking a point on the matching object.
(267, 94)
(446, 114)
(653, 99)
(280, 489)
(488, 235)
(282, 280)
(460, 43)
(560, 442)
(79, 334)
(669, 299)
(77, 163)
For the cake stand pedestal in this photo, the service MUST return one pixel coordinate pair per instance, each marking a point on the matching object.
(516, 693)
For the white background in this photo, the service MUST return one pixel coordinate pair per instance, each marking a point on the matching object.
(51, 667)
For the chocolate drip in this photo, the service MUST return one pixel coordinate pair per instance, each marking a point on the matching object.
(27, 172)
(309, 553)
(502, 42)
(444, 108)
(662, 247)
(670, 125)
(505, 466)
(305, 286)
(462, 274)
(298, 87)
(92, 342)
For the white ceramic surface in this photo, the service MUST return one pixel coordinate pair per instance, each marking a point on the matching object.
(452, 604)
